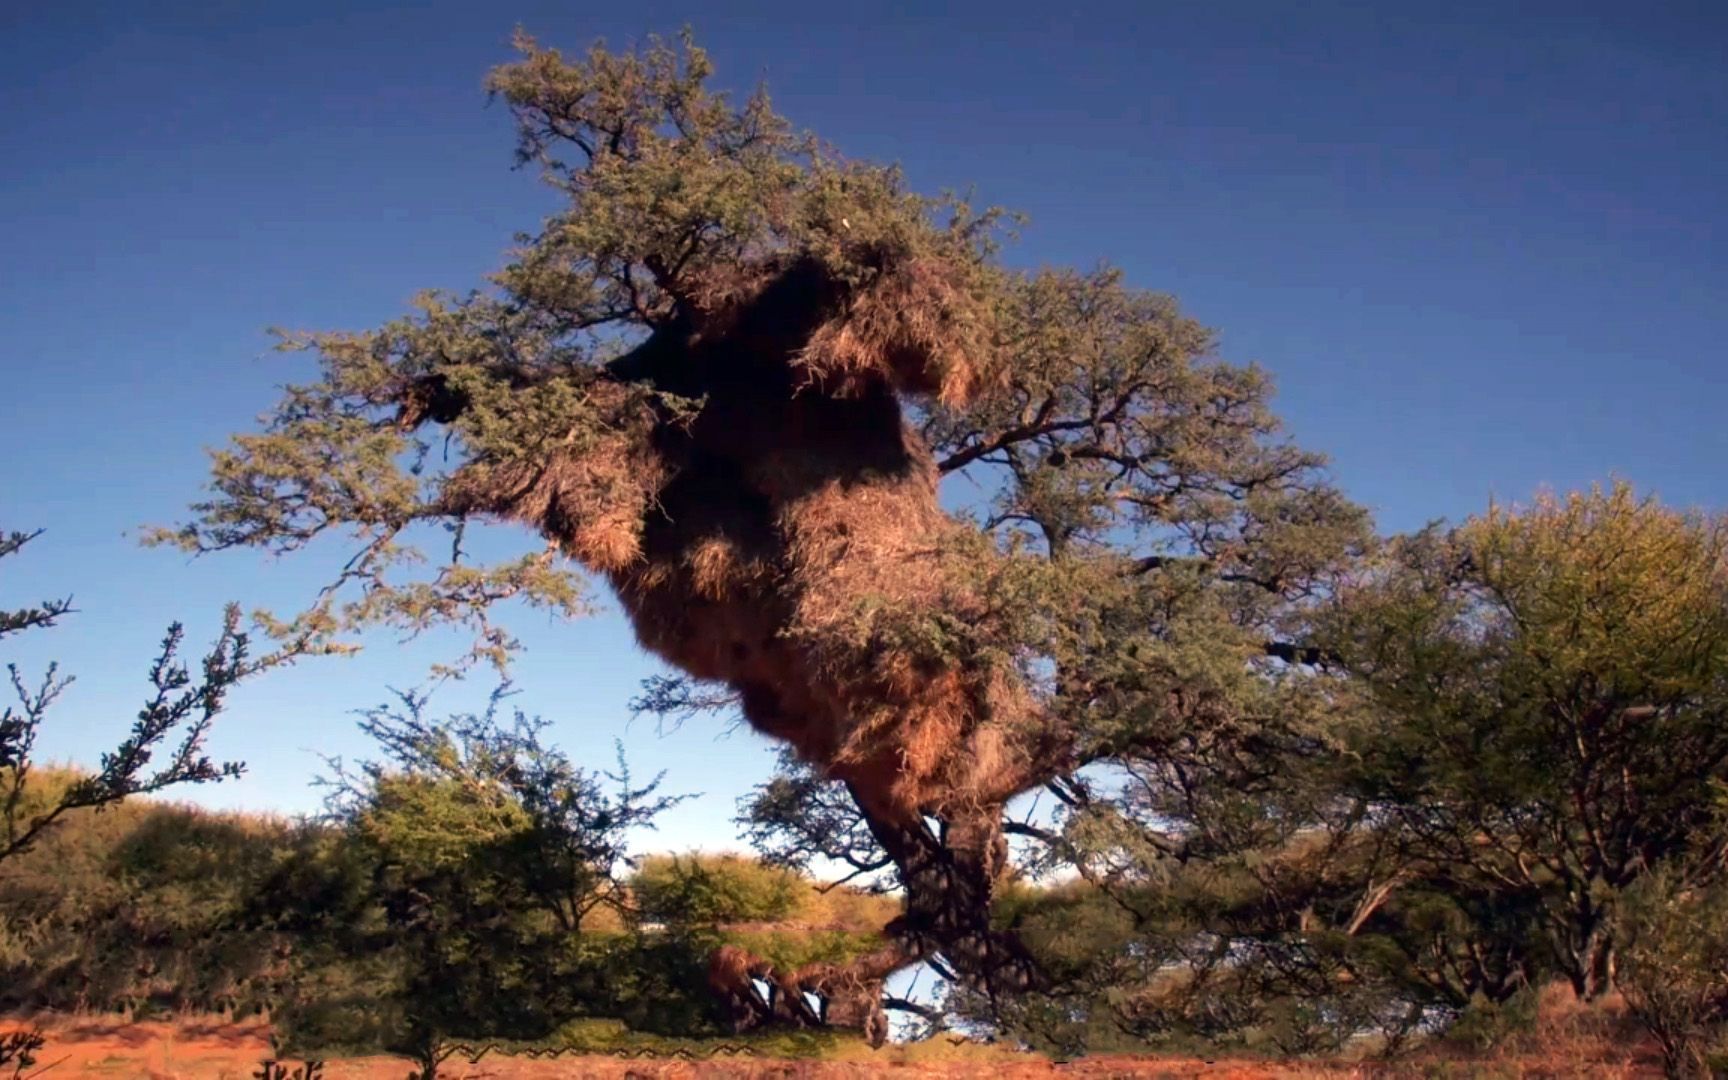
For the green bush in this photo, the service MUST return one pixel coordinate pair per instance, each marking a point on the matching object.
(709, 890)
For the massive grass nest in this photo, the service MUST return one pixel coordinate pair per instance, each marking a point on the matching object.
(782, 537)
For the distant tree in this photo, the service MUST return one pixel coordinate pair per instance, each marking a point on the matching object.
(697, 889)
(729, 378)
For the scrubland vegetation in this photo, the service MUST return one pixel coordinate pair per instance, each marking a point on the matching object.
(1307, 793)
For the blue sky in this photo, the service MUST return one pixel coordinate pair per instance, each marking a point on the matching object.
(1481, 250)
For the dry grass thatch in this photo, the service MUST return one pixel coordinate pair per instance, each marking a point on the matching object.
(767, 540)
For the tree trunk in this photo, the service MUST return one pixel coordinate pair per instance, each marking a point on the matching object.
(949, 888)
(949, 884)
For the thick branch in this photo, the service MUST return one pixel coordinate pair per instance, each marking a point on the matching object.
(1041, 425)
(1021, 828)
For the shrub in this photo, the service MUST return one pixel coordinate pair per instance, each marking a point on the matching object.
(1675, 969)
(708, 890)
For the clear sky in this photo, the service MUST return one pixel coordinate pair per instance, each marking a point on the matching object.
(1480, 246)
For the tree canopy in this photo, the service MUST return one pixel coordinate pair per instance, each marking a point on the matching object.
(1109, 430)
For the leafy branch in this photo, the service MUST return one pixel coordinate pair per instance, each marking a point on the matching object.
(176, 717)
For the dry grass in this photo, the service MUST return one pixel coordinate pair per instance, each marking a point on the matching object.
(1569, 1039)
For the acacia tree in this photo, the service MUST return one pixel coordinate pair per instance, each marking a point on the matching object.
(1541, 707)
(730, 378)
(1523, 721)
(567, 836)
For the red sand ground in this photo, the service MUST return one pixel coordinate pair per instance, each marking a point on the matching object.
(213, 1049)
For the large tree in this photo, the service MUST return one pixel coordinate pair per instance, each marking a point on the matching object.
(729, 378)
(1542, 698)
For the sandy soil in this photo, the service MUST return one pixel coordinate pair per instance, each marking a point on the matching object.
(214, 1049)
(217, 1050)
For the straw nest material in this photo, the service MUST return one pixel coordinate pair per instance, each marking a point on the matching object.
(771, 539)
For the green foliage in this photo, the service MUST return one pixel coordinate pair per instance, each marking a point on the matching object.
(1506, 728)
(480, 787)
(358, 935)
(1543, 708)
(489, 851)
(1484, 1023)
(142, 908)
(699, 890)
